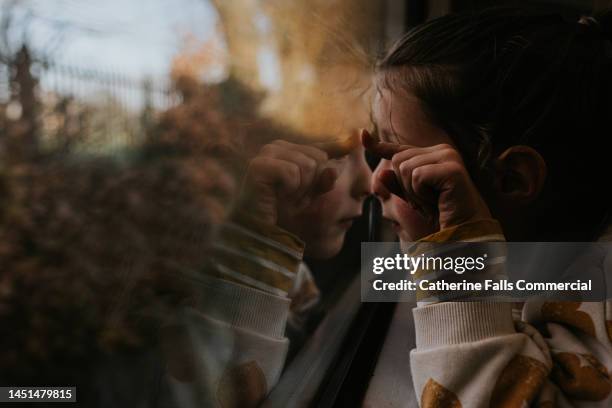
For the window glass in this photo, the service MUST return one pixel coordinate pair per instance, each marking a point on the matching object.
(183, 192)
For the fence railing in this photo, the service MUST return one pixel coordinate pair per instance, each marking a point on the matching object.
(89, 107)
(86, 84)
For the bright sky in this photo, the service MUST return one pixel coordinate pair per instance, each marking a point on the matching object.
(135, 37)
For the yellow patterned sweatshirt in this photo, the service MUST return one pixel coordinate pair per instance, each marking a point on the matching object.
(468, 354)
(476, 354)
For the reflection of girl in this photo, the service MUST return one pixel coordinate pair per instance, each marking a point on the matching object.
(297, 199)
(491, 124)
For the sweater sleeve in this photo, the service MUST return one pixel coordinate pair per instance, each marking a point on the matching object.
(472, 354)
(228, 347)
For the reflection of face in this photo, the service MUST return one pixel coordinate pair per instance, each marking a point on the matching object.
(400, 119)
(324, 223)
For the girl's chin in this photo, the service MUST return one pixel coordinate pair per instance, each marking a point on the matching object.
(404, 237)
(324, 247)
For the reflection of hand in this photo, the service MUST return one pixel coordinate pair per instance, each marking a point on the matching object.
(432, 179)
(286, 177)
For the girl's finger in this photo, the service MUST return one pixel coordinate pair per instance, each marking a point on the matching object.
(425, 198)
(380, 149)
(309, 168)
(435, 177)
(325, 182)
(392, 183)
(403, 171)
(337, 149)
(405, 167)
(392, 151)
(412, 152)
(273, 172)
(319, 155)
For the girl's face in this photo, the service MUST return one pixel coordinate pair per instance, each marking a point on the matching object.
(400, 119)
(324, 223)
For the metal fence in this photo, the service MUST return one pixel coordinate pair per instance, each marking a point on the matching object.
(88, 108)
(87, 84)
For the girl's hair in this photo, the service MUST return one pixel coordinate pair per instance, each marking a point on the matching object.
(505, 76)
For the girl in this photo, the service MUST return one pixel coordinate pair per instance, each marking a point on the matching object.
(491, 125)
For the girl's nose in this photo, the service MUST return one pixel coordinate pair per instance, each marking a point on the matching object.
(377, 186)
(361, 184)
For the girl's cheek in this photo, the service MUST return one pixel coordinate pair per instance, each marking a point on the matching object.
(412, 223)
(321, 213)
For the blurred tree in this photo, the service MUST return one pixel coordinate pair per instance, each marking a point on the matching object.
(243, 38)
(323, 50)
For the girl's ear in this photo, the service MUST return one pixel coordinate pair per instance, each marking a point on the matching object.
(520, 174)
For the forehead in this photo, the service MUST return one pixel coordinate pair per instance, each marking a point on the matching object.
(399, 118)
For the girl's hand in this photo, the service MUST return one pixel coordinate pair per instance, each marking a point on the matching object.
(284, 178)
(432, 179)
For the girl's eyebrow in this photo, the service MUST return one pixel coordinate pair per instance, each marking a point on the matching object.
(393, 132)
(375, 130)
(391, 136)
(384, 134)
(373, 122)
